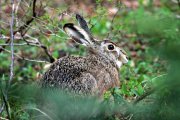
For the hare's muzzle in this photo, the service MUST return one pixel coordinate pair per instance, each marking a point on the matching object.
(123, 58)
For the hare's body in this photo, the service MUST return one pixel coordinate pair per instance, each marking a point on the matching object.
(93, 74)
(83, 75)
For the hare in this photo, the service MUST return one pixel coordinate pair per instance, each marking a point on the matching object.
(93, 74)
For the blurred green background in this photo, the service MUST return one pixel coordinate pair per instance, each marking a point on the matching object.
(148, 30)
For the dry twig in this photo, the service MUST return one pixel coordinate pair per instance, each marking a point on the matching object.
(5, 94)
(23, 58)
(178, 3)
(112, 21)
(37, 43)
(23, 27)
(114, 16)
(144, 96)
(23, 30)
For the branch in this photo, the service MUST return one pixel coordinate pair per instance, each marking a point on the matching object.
(30, 20)
(144, 96)
(114, 16)
(21, 44)
(1, 118)
(37, 43)
(93, 25)
(112, 21)
(12, 45)
(34, 42)
(2, 107)
(23, 58)
(149, 92)
(36, 109)
(23, 27)
(52, 59)
(5, 103)
(5, 94)
(178, 3)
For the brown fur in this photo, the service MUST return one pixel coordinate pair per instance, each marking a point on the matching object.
(83, 75)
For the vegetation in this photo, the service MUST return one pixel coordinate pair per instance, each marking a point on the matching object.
(148, 30)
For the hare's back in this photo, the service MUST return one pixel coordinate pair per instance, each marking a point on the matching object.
(63, 72)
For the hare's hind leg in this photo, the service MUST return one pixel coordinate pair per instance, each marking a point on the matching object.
(86, 84)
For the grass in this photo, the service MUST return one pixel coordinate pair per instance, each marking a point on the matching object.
(149, 35)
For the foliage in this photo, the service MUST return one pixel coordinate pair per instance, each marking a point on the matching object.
(148, 32)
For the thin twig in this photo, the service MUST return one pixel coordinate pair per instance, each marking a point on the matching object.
(42, 113)
(5, 94)
(30, 20)
(33, 108)
(43, 25)
(2, 108)
(5, 103)
(16, 11)
(37, 43)
(144, 96)
(23, 58)
(1, 118)
(149, 92)
(23, 27)
(93, 25)
(112, 21)
(21, 44)
(114, 16)
(52, 59)
(178, 3)
(12, 44)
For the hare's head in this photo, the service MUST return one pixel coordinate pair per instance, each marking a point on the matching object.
(104, 48)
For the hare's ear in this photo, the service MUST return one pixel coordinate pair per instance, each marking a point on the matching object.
(78, 34)
(83, 24)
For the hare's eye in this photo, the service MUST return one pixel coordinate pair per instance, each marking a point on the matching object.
(111, 47)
